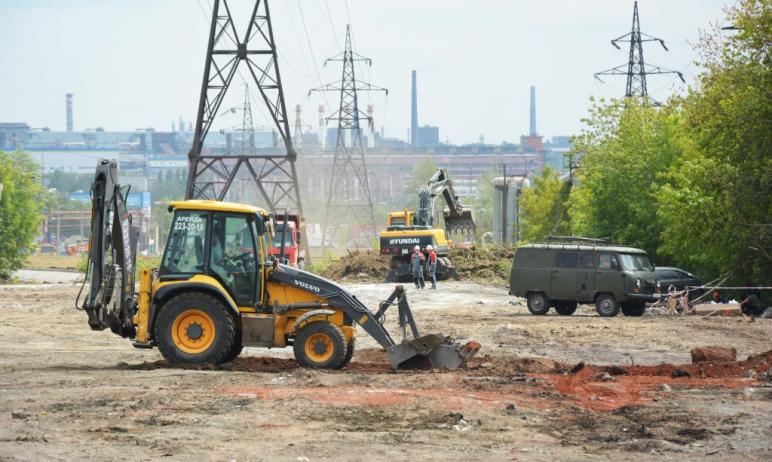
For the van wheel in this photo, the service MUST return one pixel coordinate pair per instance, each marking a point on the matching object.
(633, 309)
(538, 303)
(566, 308)
(606, 305)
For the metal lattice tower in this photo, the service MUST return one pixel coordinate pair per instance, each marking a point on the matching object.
(210, 175)
(636, 69)
(349, 200)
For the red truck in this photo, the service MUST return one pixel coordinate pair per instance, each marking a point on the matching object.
(292, 252)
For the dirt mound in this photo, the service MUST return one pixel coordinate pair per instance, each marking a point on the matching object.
(359, 265)
(486, 265)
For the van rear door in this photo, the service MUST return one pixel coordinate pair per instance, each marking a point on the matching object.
(563, 276)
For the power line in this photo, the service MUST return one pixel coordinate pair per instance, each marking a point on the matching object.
(636, 69)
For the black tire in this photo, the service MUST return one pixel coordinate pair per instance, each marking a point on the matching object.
(566, 308)
(320, 345)
(606, 305)
(349, 353)
(192, 307)
(633, 309)
(538, 303)
(238, 346)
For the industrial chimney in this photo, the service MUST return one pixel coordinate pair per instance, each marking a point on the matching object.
(532, 132)
(322, 126)
(414, 114)
(68, 97)
(370, 127)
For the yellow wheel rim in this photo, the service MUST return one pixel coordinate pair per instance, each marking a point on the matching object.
(193, 331)
(319, 347)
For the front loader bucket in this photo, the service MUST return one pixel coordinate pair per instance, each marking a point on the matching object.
(431, 351)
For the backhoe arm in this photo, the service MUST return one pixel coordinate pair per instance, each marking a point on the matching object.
(111, 296)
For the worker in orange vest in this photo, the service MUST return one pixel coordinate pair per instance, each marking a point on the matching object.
(431, 264)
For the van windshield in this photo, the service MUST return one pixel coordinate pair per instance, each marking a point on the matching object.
(636, 262)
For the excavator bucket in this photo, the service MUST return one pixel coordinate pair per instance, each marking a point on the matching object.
(462, 223)
(431, 351)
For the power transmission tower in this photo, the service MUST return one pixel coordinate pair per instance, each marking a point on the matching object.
(636, 69)
(349, 195)
(211, 175)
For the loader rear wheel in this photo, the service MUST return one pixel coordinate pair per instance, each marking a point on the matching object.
(320, 345)
(195, 328)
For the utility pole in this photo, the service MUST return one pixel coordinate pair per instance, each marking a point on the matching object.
(636, 69)
(349, 200)
(210, 176)
(297, 137)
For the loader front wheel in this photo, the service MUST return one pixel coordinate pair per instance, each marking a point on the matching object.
(320, 345)
(195, 328)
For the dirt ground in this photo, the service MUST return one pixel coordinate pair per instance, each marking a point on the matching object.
(542, 388)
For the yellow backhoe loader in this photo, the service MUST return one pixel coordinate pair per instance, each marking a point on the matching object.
(216, 291)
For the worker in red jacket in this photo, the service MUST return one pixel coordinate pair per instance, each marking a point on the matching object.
(431, 264)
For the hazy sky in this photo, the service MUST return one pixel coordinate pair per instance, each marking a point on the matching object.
(138, 63)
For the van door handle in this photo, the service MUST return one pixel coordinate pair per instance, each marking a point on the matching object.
(554, 271)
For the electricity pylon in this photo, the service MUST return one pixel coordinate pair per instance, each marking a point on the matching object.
(636, 69)
(349, 201)
(211, 175)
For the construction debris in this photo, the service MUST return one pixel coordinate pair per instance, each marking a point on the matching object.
(360, 265)
(713, 354)
(485, 265)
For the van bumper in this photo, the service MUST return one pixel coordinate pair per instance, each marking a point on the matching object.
(650, 298)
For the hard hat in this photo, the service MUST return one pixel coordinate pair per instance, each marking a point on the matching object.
(429, 247)
(416, 248)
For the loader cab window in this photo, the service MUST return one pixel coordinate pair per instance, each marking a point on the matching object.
(233, 258)
(185, 247)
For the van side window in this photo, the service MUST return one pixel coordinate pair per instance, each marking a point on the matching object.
(566, 259)
(588, 260)
(608, 261)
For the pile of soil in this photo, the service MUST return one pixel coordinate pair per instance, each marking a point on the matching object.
(485, 265)
(359, 265)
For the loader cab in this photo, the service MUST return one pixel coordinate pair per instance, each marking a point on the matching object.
(221, 240)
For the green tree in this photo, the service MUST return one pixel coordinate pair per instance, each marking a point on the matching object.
(20, 204)
(624, 147)
(544, 207)
(715, 205)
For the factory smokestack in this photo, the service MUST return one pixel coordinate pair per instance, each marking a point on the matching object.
(322, 126)
(68, 97)
(532, 132)
(370, 127)
(414, 114)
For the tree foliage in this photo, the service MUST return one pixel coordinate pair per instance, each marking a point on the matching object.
(624, 147)
(544, 207)
(715, 204)
(691, 181)
(20, 204)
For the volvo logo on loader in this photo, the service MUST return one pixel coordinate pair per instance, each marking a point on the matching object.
(306, 285)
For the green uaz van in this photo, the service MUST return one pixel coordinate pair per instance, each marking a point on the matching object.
(563, 272)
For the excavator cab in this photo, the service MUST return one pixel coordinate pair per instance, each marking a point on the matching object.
(216, 292)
